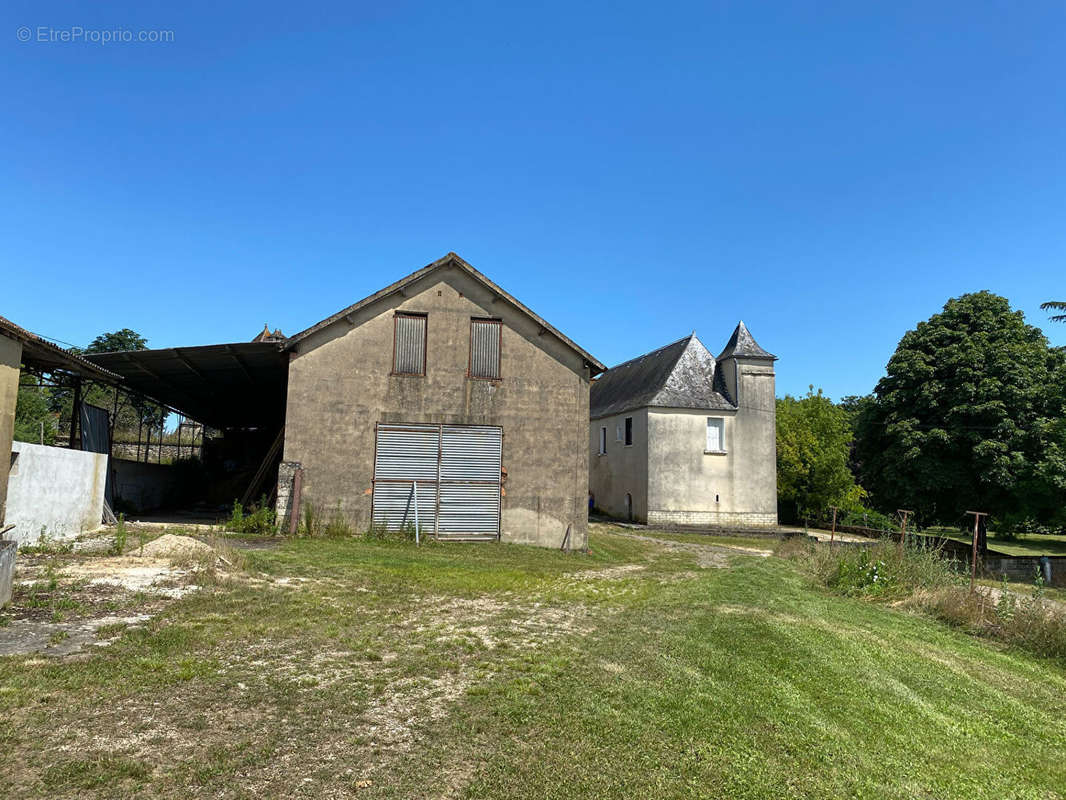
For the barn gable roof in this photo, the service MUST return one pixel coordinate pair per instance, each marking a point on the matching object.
(454, 261)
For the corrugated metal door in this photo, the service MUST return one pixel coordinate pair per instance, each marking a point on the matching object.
(471, 458)
(458, 470)
(406, 454)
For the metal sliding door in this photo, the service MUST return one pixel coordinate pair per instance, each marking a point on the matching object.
(456, 469)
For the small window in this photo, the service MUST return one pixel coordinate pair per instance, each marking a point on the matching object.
(715, 435)
(603, 441)
(629, 431)
(409, 344)
(618, 432)
(486, 336)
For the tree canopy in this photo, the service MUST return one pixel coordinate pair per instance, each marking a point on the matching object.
(124, 339)
(969, 416)
(813, 449)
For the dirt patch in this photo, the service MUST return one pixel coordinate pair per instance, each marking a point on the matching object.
(706, 555)
(177, 547)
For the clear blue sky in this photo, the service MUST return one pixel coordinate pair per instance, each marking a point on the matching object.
(830, 173)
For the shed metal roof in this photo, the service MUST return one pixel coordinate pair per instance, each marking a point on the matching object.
(41, 354)
(240, 385)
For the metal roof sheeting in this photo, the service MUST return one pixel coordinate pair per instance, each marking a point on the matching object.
(239, 385)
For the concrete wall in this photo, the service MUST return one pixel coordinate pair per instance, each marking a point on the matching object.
(54, 491)
(623, 469)
(689, 486)
(10, 362)
(340, 386)
(143, 487)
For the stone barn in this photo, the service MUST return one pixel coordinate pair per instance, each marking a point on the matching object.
(441, 400)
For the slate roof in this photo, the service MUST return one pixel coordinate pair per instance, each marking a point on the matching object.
(449, 260)
(680, 375)
(743, 345)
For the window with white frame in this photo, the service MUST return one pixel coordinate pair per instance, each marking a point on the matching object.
(603, 441)
(715, 435)
(629, 431)
(618, 431)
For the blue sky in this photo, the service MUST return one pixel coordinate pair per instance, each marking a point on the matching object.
(830, 173)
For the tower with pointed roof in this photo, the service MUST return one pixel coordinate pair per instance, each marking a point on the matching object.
(681, 438)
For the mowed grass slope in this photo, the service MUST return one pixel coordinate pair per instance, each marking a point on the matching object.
(368, 669)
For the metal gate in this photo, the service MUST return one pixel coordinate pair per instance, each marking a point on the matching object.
(454, 472)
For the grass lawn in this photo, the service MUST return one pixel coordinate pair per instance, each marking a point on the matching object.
(1025, 544)
(352, 668)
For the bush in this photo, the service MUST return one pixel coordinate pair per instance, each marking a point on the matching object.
(261, 519)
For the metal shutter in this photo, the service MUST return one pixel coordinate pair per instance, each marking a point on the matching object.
(409, 347)
(406, 454)
(470, 481)
(457, 469)
(485, 348)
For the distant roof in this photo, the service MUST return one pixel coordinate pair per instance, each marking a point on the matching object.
(680, 375)
(240, 385)
(743, 345)
(266, 336)
(41, 354)
(453, 260)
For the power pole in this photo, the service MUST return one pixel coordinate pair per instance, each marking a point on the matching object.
(904, 513)
(833, 531)
(973, 556)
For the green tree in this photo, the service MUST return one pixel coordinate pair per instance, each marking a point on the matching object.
(813, 448)
(969, 416)
(34, 420)
(124, 339)
(133, 412)
(1055, 305)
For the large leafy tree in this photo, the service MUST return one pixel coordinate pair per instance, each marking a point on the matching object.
(813, 447)
(968, 417)
(124, 339)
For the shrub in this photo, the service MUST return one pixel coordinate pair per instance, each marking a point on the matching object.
(261, 519)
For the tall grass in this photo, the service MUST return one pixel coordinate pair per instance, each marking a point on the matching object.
(922, 578)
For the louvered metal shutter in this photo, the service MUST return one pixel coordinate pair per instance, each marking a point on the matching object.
(471, 460)
(457, 469)
(409, 351)
(485, 348)
(406, 454)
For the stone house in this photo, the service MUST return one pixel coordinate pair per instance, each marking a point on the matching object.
(440, 396)
(681, 438)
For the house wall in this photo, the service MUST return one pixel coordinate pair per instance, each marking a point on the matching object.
(54, 491)
(688, 486)
(10, 362)
(623, 469)
(340, 387)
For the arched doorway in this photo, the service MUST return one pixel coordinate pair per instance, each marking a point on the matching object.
(629, 506)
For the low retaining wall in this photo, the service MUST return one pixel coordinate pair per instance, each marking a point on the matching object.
(143, 487)
(54, 492)
(1023, 569)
